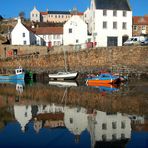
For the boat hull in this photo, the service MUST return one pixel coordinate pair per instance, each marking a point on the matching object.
(64, 76)
(12, 77)
(97, 82)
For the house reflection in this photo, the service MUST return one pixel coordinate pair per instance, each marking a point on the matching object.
(103, 127)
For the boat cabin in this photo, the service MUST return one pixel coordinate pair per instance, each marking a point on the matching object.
(19, 70)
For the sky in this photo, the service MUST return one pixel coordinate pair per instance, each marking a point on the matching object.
(11, 8)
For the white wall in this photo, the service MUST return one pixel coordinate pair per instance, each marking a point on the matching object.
(17, 35)
(79, 31)
(102, 34)
(55, 39)
(35, 15)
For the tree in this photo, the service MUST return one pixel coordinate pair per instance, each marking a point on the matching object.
(22, 15)
(1, 18)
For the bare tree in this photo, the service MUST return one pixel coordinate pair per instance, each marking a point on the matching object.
(22, 15)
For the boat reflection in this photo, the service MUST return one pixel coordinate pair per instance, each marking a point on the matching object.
(63, 83)
(105, 87)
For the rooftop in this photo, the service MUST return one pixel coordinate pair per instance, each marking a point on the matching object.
(113, 4)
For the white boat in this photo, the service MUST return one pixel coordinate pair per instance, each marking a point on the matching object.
(63, 75)
(66, 75)
(63, 83)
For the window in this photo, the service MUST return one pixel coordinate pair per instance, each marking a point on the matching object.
(23, 34)
(36, 15)
(25, 42)
(135, 28)
(32, 15)
(104, 25)
(114, 13)
(104, 137)
(124, 13)
(114, 25)
(71, 120)
(114, 125)
(123, 125)
(143, 27)
(70, 30)
(114, 137)
(104, 12)
(77, 41)
(124, 26)
(104, 126)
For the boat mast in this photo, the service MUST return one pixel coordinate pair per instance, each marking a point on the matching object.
(65, 62)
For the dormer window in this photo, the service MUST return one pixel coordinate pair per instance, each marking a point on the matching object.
(104, 12)
(124, 13)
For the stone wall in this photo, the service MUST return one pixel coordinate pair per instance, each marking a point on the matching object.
(82, 60)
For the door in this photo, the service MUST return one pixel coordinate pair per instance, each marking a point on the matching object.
(112, 41)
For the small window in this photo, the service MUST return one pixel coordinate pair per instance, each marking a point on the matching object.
(143, 27)
(71, 120)
(104, 12)
(135, 28)
(114, 25)
(25, 42)
(104, 25)
(32, 15)
(123, 125)
(114, 13)
(104, 137)
(122, 136)
(70, 30)
(124, 13)
(124, 25)
(23, 34)
(114, 125)
(104, 126)
(77, 41)
(114, 137)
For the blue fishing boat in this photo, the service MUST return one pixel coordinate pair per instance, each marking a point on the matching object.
(19, 75)
(103, 78)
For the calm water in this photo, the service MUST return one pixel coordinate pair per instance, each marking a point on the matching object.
(72, 115)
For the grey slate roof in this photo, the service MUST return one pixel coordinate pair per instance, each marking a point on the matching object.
(58, 12)
(113, 4)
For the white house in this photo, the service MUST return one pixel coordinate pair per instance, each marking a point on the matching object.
(35, 15)
(22, 35)
(110, 22)
(75, 31)
(53, 36)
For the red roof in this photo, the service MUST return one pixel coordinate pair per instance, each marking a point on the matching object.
(44, 13)
(140, 20)
(49, 30)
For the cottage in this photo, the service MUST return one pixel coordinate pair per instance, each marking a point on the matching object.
(22, 35)
(140, 25)
(53, 36)
(75, 31)
(109, 22)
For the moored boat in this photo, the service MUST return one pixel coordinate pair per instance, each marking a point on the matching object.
(19, 75)
(103, 78)
(64, 75)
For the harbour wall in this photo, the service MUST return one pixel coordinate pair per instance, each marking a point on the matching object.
(42, 59)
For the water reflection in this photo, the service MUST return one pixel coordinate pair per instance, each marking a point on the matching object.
(49, 116)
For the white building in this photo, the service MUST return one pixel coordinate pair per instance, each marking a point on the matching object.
(35, 15)
(53, 36)
(75, 31)
(110, 22)
(22, 35)
(23, 115)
